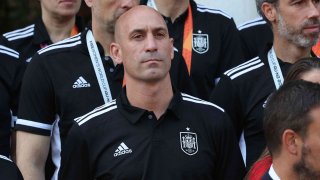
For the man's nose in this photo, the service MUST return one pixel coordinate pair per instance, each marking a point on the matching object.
(127, 4)
(314, 11)
(151, 44)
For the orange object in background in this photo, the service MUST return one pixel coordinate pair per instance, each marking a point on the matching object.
(187, 39)
(74, 31)
(316, 49)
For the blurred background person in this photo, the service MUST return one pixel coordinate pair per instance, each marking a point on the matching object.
(244, 90)
(207, 39)
(57, 21)
(63, 81)
(307, 69)
(291, 126)
(11, 72)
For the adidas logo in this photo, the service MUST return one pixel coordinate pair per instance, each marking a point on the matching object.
(80, 83)
(122, 149)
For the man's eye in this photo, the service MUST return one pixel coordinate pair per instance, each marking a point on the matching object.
(316, 1)
(137, 36)
(297, 2)
(160, 35)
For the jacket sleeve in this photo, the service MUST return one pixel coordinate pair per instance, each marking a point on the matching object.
(11, 71)
(37, 108)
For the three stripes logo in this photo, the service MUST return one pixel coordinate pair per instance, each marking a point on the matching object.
(80, 83)
(122, 149)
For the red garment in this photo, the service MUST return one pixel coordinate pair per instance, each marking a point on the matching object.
(259, 168)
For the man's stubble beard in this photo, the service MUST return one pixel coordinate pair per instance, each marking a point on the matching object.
(303, 168)
(296, 36)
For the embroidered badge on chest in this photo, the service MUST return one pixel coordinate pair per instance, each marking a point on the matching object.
(200, 42)
(189, 142)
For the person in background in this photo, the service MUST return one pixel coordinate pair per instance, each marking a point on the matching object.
(207, 39)
(307, 69)
(11, 72)
(244, 90)
(151, 131)
(292, 125)
(63, 81)
(256, 34)
(58, 21)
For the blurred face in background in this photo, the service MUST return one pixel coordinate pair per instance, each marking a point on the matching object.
(308, 167)
(309, 164)
(106, 12)
(60, 8)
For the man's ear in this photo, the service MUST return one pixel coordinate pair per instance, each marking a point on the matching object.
(115, 53)
(89, 3)
(269, 11)
(291, 141)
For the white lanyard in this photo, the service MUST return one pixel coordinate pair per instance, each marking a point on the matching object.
(98, 67)
(152, 4)
(275, 68)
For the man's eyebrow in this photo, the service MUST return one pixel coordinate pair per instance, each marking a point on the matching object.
(137, 31)
(142, 30)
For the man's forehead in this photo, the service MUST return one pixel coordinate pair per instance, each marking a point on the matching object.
(145, 25)
(140, 14)
(140, 18)
(315, 113)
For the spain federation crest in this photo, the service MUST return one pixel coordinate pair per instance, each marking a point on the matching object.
(200, 42)
(189, 143)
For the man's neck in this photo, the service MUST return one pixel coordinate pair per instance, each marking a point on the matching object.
(101, 35)
(283, 168)
(154, 97)
(172, 9)
(289, 52)
(58, 28)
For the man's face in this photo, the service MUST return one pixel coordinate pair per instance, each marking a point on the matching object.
(145, 48)
(298, 21)
(106, 12)
(60, 8)
(309, 165)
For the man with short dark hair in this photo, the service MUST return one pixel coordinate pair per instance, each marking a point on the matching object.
(244, 90)
(291, 126)
(152, 131)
